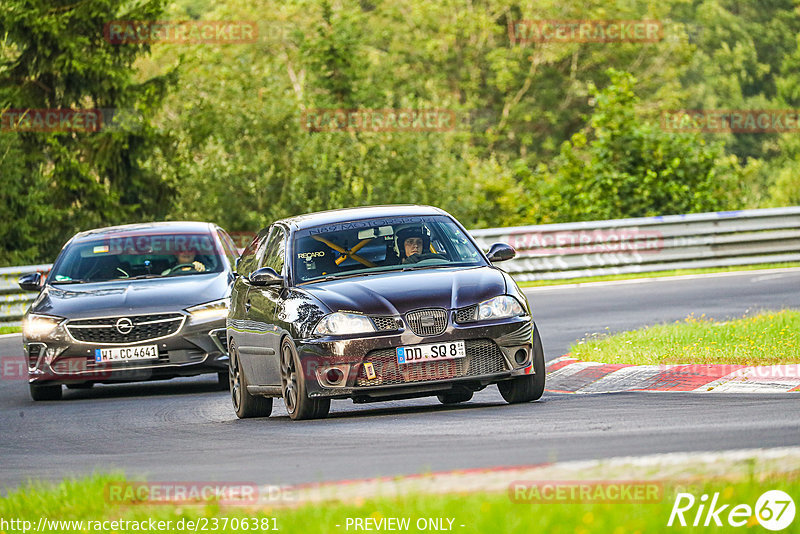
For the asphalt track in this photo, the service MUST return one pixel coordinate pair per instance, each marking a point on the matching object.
(184, 430)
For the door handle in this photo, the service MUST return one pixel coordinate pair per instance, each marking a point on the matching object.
(247, 305)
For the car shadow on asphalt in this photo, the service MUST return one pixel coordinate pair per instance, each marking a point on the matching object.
(145, 389)
(362, 411)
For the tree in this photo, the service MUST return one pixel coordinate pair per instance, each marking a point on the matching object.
(622, 166)
(54, 56)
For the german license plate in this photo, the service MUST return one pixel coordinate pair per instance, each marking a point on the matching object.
(433, 352)
(126, 354)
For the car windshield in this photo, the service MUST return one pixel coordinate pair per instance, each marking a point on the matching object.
(130, 256)
(370, 246)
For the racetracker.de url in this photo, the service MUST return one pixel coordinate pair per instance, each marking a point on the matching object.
(202, 524)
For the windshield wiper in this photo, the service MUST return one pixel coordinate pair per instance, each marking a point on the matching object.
(140, 277)
(73, 281)
(331, 277)
(420, 267)
(340, 276)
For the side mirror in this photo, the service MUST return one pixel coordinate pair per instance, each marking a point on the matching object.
(501, 252)
(265, 276)
(31, 282)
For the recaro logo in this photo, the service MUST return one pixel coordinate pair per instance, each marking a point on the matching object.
(309, 255)
(774, 510)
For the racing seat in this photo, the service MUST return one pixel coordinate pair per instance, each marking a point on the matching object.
(315, 259)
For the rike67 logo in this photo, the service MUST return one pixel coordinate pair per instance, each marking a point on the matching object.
(774, 510)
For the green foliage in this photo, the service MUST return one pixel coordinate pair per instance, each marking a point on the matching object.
(473, 511)
(624, 166)
(768, 338)
(25, 209)
(544, 134)
(54, 56)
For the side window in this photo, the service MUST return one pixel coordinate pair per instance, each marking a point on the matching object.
(228, 246)
(273, 253)
(247, 261)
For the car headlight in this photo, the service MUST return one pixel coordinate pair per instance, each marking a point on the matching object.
(499, 308)
(36, 325)
(216, 309)
(340, 323)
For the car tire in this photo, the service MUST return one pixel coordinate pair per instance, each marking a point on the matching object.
(45, 393)
(530, 387)
(293, 387)
(85, 385)
(244, 404)
(455, 396)
(223, 380)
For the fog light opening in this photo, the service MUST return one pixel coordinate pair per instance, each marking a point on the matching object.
(334, 375)
(521, 356)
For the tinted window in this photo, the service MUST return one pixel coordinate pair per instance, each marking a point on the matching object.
(247, 260)
(375, 245)
(228, 246)
(274, 251)
(131, 255)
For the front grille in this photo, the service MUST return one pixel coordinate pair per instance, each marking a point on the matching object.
(34, 351)
(427, 322)
(145, 327)
(465, 315)
(223, 339)
(386, 323)
(483, 358)
(163, 357)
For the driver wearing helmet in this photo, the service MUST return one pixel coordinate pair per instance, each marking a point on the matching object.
(414, 243)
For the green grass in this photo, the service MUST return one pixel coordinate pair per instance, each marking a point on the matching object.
(10, 329)
(674, 272)
(765, 339)
(478, 512)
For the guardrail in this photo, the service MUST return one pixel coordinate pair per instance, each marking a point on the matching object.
(649, 244)
(14, 301)
(594, 248)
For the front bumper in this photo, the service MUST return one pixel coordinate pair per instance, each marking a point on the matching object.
(495, 351)
(197, 347)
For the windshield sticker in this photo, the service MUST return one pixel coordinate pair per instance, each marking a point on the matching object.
(309, 255)
(363, 224)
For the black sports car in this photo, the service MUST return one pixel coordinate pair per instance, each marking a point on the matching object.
(376, 303)
(130, 303)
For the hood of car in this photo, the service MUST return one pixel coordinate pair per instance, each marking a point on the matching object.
(396, 293)
(121, 297)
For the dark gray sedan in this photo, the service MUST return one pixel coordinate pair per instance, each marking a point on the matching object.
(372, 304)
(130, 303)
